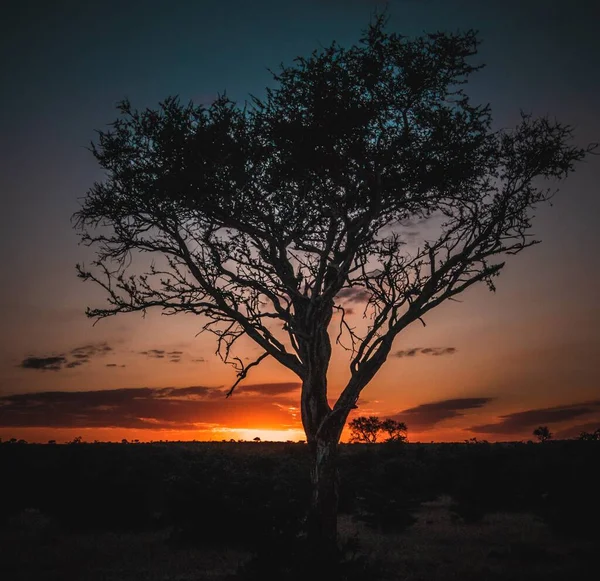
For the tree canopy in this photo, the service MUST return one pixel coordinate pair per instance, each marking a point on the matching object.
(262, 218)
(543, 433)
(367, 430)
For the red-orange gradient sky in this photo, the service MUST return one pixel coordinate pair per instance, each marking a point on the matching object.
(493, 366)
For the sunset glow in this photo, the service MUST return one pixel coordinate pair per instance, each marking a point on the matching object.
(491, 365)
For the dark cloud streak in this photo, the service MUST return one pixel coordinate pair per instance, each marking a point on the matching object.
(436, 351)
(428, 415)
(150, 408)
(525, 421)
(44, 363)
(75, 358)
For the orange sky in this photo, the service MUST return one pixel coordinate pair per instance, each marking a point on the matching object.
(493, 366)
(473, 371)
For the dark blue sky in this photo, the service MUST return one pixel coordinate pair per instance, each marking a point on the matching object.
(65, 64)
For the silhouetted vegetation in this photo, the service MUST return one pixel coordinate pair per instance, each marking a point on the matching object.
(200, 489)
(252, 496)
(590, 436)
(368, 429)
(543, 434)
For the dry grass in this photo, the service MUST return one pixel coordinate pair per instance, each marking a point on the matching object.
(441, 547)
(438, 547)
(39, 552)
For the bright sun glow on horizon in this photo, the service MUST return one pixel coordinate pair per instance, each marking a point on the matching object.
(268, 435)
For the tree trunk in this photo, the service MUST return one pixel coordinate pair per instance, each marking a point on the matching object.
(322, 517)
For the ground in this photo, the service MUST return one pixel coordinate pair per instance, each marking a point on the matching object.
(439, 546)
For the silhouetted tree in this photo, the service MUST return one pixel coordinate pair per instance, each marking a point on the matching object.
(543, 434)
(257, 439)
(265, 218)
(590, 436)
(368, 429)
(365, 429)
(475, 441)
(396, 431)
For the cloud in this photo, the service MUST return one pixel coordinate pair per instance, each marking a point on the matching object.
(436, 351)
(171, 356)
(427, 415)
(524, 422)
(354, 294)
(44, 363)
(574, 431)
(269, 388)
(154, 353)
(186, 408)
(91, 350)
(74, 358)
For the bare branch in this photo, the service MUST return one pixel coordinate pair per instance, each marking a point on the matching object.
(243, 372)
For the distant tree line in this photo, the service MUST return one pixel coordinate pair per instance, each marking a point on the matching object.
(365, 430)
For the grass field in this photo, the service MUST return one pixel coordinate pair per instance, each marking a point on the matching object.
(193, 512)
(439, 546)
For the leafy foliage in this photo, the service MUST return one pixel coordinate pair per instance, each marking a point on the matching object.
(542, 433)
(368, 429)
(590, 436)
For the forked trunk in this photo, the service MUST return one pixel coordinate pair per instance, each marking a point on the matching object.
(322, 517)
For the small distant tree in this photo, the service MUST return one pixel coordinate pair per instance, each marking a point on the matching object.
(262, 218)
(257, 439)
(368, 429)
(476, 441)
(52, 442)
(365, 429)
(396, 431)
(590, 436)
(542, 433)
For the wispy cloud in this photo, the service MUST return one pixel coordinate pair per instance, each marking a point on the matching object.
(74, 358)
(436, 351)
(354, 294)
(171, 356)
(154, 353)
(44, 363)
(427, 415)
(269, 388)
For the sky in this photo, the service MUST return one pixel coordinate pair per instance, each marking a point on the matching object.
(492, 366)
